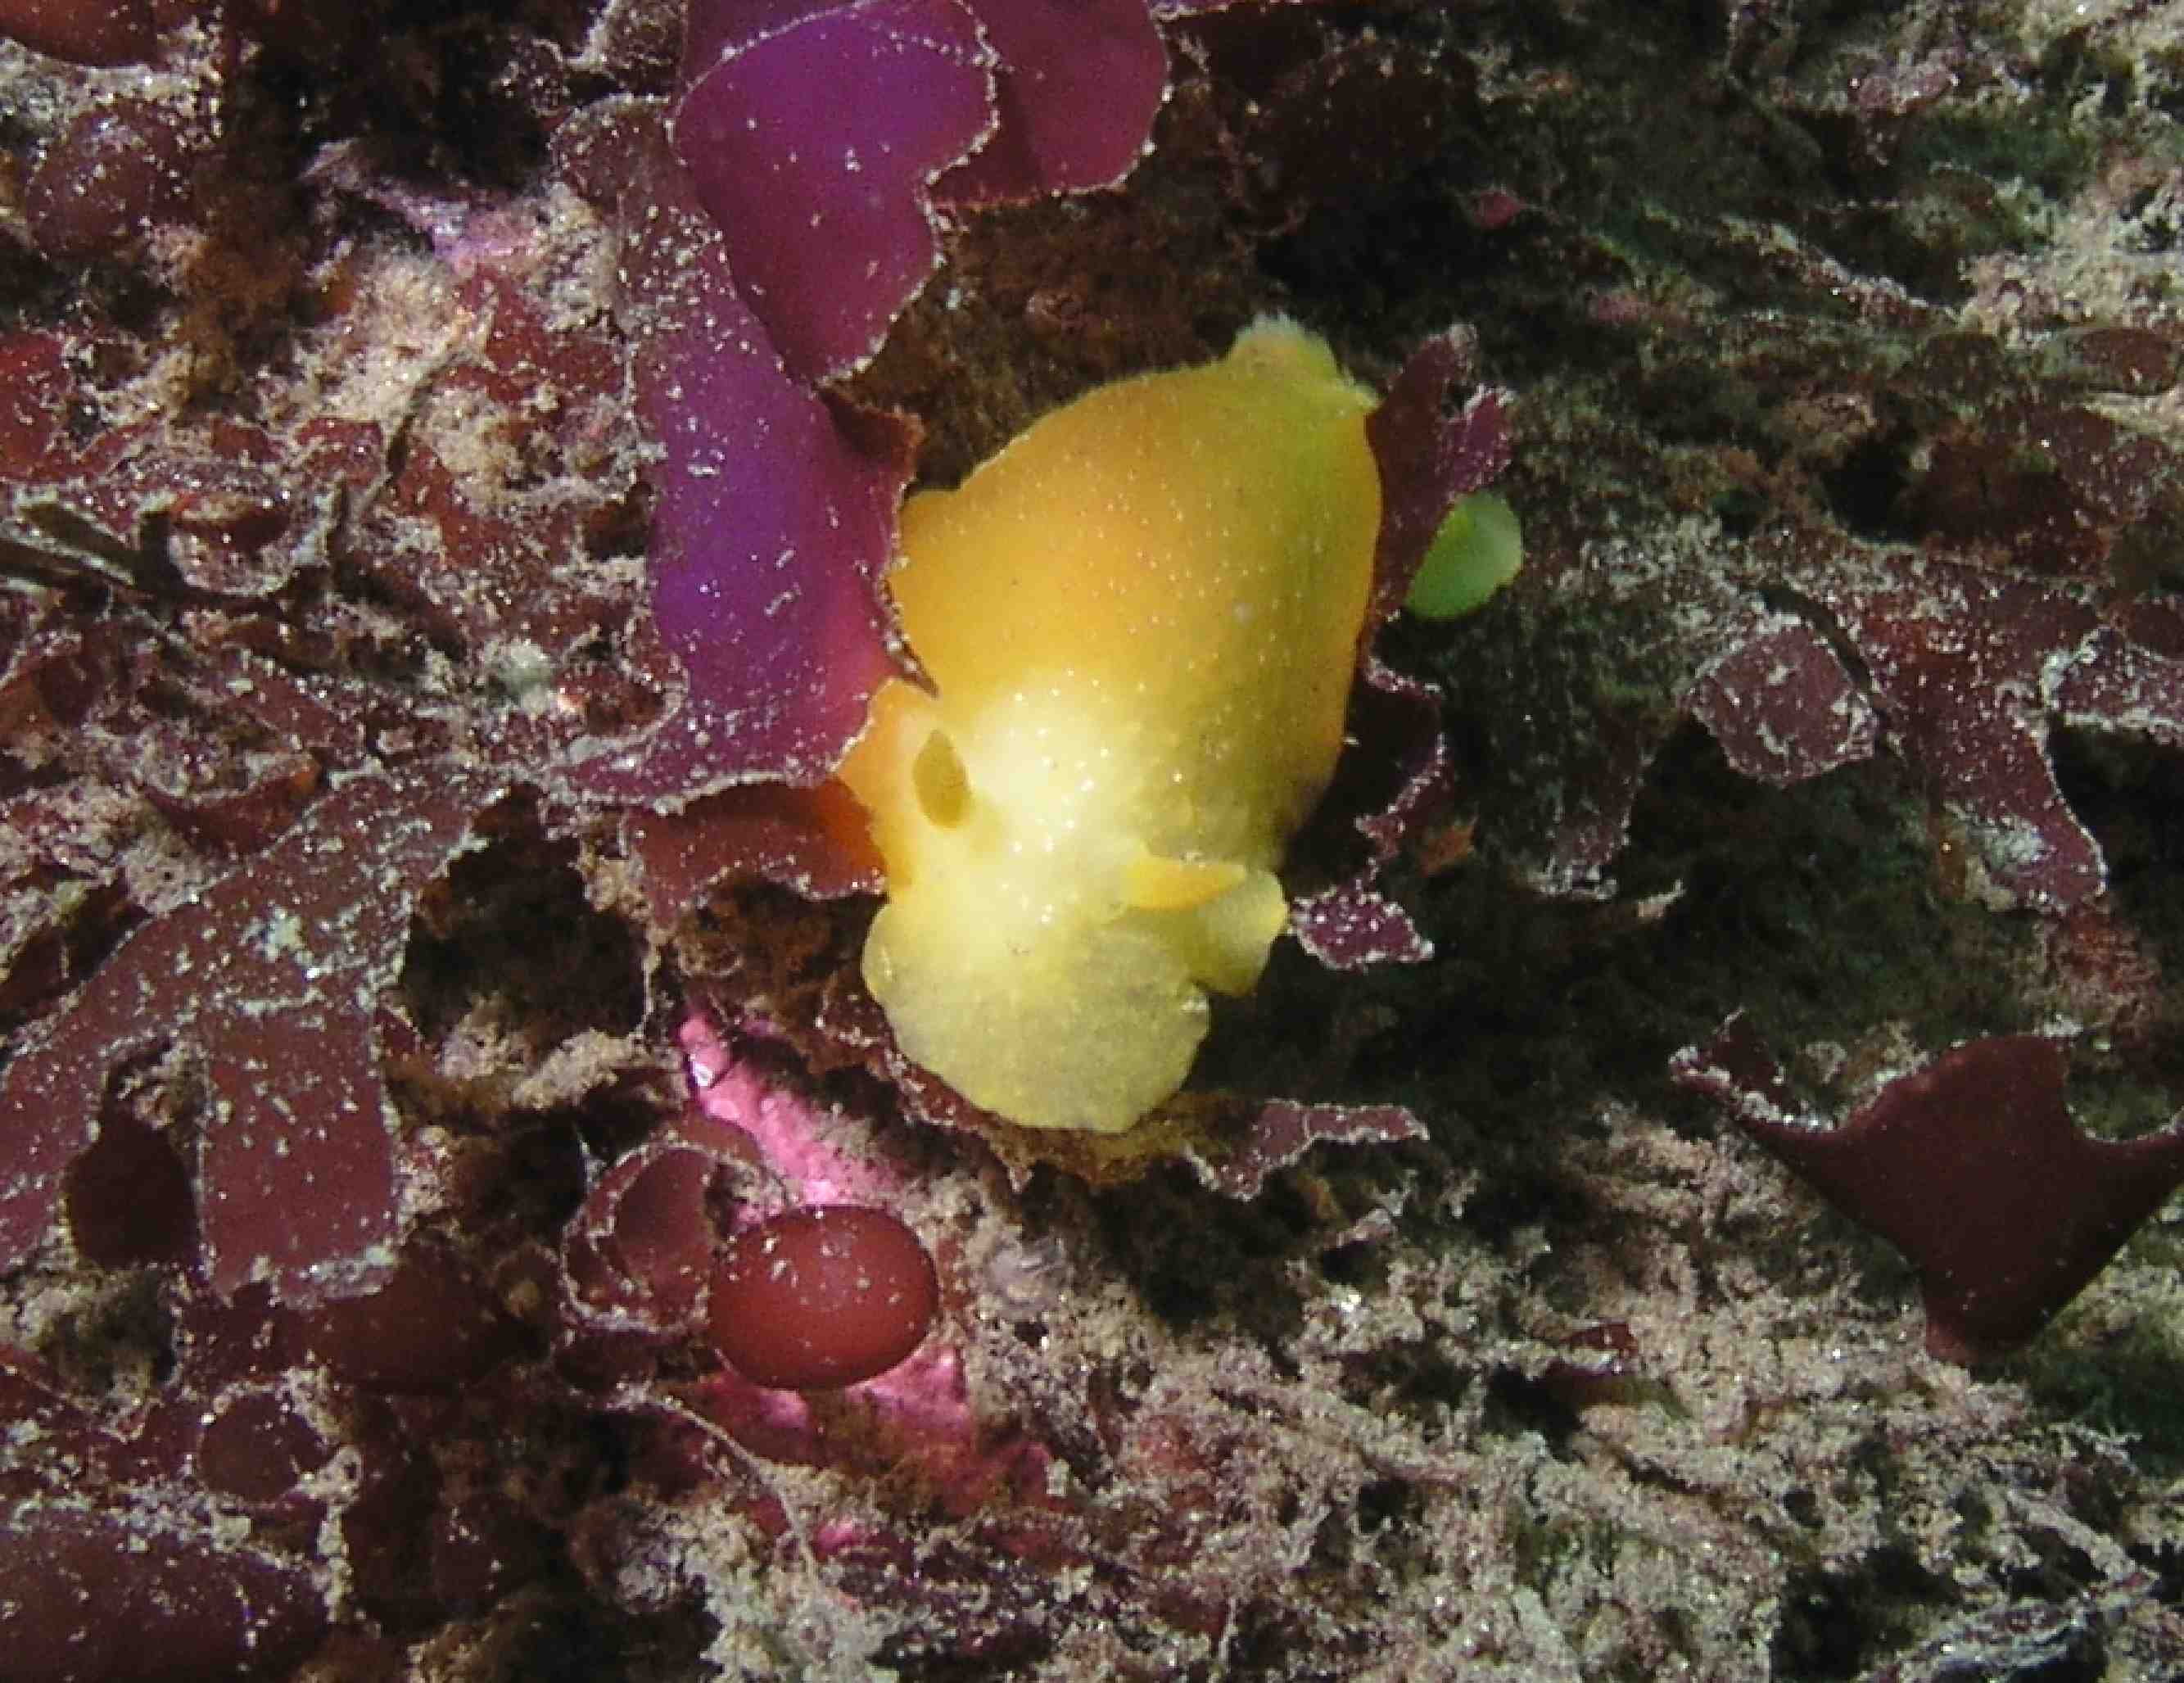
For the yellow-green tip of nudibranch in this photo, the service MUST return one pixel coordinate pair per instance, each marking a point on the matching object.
(1476, 550)
(1140, 620)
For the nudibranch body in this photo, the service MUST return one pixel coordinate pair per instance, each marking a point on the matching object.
(1140, 622)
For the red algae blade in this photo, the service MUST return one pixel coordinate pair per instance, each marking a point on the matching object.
(1971, 1167)
(272, 977)
(1077, 90)
(797, 183)
(776, 515)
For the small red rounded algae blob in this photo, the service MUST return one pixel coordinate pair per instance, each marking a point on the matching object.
(822, 1297)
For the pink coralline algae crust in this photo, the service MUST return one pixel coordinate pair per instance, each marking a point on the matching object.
(272, 982)
(1969, 1166)
(793, 1137)
(915, 1419)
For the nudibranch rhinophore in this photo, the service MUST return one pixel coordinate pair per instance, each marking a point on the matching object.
(1141, 622)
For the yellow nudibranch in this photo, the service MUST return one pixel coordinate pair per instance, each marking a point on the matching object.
(1141, 622)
